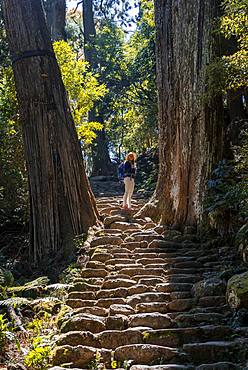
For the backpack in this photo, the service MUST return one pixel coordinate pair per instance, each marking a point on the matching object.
(121, 168)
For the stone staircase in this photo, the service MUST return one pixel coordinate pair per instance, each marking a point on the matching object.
(148, 298)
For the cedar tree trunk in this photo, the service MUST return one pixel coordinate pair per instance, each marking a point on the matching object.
(190, 130)
(61, 202)
(56, 17)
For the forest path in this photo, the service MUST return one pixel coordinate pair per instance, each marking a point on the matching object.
(139, 302)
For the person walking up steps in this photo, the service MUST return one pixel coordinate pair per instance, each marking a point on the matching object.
(129, 176)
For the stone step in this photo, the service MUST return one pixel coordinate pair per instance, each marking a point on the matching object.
(107, 302)
(116, 322)
(153, 320)
(212, 257)
(106, 240)
(75, 338)
(163, 266)
(116, 261)
(133, 265)
(183, 278)
(93, 310)
(78, 303)
(101, 256)
(121, 251)
(195, 319)
(131, 246)
(151, 307)
(150, 281)
(215, 351)
(149, 261)
(82, 295)
(112, 293)
(144, 353)
(161, 367)
(84, 322)
(212, 301)
(95, 265)
(142, 271)
(118, 283)
(220, 366)
(92, 281)
(92, 273)
(174, 287)
(121, 309)
(181, 304)
(84, 287)
(111, 339)
(177, 337)
(79, 356)
(148, 298)
(180, 295)
(144, 277)
(114, 275)
(143, 237)
(106, 231)
(186, 264)
(185, 271)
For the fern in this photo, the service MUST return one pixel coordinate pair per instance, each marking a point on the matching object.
(46, 300)
(39, 282)
(6, 277)
(15, 301)
(59, 286)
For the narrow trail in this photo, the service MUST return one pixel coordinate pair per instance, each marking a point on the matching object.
(136, 301)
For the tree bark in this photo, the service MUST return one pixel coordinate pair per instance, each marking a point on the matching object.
(61, 202)
(100, 154)
(190, 130)
(89, 33)
(56, 18)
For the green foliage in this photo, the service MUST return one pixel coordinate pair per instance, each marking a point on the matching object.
(13, 180)
(94, 365)
(234, 24)
(38, 357)
(147, 171)
(3, 332)
(227, 200)
(132, 124)
(216, 79)
(38, 283)
(6, 278)
(82, 87)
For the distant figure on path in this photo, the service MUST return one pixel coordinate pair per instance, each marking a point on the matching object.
(129, 176)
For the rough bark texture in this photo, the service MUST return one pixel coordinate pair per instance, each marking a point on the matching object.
(61, 201)
(101, 160)
(190, 136)
(89, 32)
(56, 15)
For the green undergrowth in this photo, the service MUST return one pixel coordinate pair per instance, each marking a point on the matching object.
(27, 336)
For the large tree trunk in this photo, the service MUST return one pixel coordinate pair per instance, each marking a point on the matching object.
(190, 136)
(101, 163)
(100, 154)
(56, 18)
(61, 201)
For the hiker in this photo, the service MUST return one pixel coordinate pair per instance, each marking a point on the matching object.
(129, 170)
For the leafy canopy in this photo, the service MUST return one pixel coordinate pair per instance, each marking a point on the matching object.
(82, 87)
(234, 24)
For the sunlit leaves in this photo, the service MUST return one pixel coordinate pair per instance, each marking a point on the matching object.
(132, 125)
(234, 23)
(82, 87)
